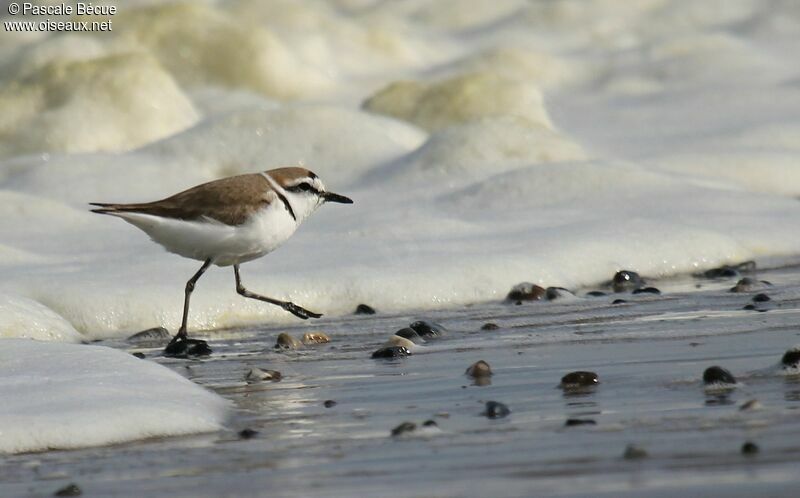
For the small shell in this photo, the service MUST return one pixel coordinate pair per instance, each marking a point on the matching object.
(752, 404)
(315, 338)
(577, 380)
(495, 409)
(404, 428)
(285, 341)
(791, 359)
(525, 291)
(479, 369)
(391, 352)
(364, 309)
(626, 280)
(396, 340)
(410, 334)
(257, 374)
(156, 336)
(428, 330)
(717, 375)
(748, 284)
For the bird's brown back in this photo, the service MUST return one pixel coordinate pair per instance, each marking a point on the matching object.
(228, 200)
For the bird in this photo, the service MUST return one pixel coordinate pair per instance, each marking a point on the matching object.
(227, 222)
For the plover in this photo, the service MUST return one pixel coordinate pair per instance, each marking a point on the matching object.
(228, 222)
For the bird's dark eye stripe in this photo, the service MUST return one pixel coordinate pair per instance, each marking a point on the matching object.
(303, 187)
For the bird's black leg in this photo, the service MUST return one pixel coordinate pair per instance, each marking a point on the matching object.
(292, 308)
(181, 345)
(188, 296)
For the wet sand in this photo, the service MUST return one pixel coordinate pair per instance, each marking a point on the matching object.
(649, 353)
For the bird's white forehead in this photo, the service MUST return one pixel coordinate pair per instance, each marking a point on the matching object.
(293, 176)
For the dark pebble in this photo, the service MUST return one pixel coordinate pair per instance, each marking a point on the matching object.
(428, 330)
(633, 452)
(626, 280)
(746, 267)
(791, 358)
(495, 409)
(730, 271)
(619, 301)
(248, 433)
(139, 355)
(411, 335)
(391, 352)
(595, 294)
(579, 379)
(329, 403)
(69, 490)
(479, 369)
(490, 326)
(572, 422)
(647, 290)
(553, 293)
(187, 348)
(761, 298)
(157, 335)
(404, 428)
(525, 291)
(430, 423)
(718, 375)
(722, 272)
(363, 309)
(750, 448)
(748, 284)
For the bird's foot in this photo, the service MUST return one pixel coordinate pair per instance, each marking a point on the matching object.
(182, 347)
(299, 311)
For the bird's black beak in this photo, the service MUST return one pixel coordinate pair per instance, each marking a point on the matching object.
(331, 197)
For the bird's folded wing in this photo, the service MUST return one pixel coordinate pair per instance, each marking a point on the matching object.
(230, 201)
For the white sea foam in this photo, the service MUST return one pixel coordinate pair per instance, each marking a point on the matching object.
(461, 99)
(21, 317)
(64, 396)
(552, 142)
(113, 102)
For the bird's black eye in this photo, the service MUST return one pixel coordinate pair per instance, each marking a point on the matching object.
(302, 187)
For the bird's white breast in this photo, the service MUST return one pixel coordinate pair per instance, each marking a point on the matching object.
(263, 233)
(226, 245)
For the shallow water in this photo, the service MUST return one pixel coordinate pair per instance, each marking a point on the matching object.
(649, 354)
